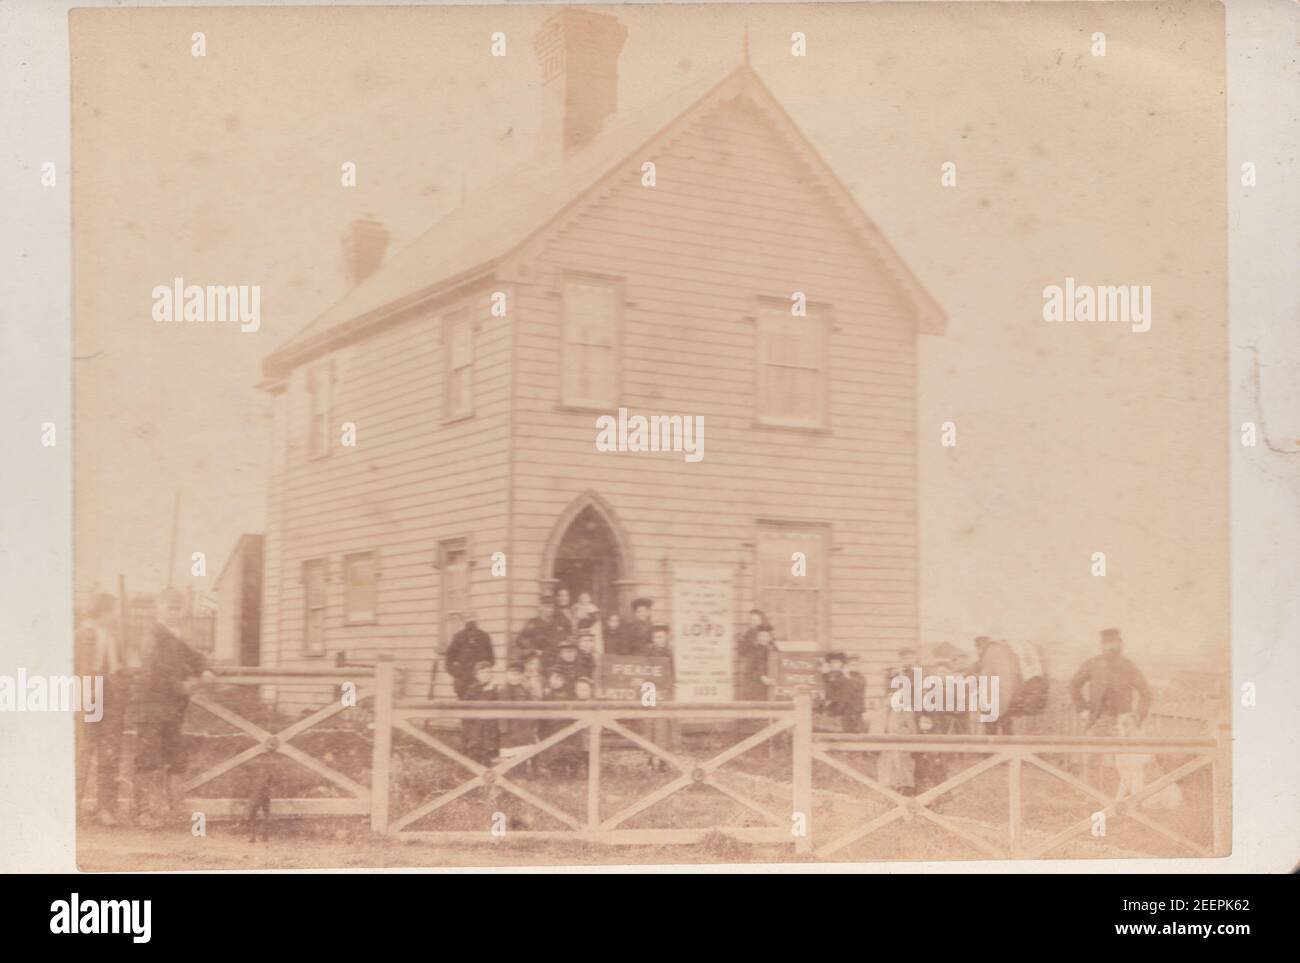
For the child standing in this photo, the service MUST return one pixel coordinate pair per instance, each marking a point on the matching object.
(516, 734)
(566, 664)
(533, 681)
(480, 737)
(586, 657)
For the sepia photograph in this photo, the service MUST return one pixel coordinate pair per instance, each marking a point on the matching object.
(716, 434)
(627, 498)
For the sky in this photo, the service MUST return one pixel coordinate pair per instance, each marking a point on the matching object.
(1071, 439)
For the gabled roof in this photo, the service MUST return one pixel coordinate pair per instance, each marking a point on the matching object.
(515, 209)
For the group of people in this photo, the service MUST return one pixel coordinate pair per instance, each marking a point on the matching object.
(147, 689)
(553, 658)
(1108, 693)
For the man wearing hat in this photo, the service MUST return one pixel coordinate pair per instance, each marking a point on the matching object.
(170, 672)
(539, 634)
(638, 634)
(1110, 680)
(469, 646)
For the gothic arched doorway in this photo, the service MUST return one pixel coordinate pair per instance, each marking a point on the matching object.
(587, 553)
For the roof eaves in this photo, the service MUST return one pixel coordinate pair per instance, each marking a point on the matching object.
(278, 363)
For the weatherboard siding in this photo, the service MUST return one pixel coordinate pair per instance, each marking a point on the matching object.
(735, 216)
(412, 481)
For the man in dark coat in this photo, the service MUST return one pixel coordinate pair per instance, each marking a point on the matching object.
(170, 672)
(539, 634)
(562, 614)
(756, 661)
(636, 635)
(1111, 680)
(470, 646)
(745, 640)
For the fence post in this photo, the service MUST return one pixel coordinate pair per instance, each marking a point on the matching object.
(381, 758)
(593, 776)
(1221, 789)
(802, 753)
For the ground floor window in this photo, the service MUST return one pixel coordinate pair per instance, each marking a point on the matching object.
(313, 590)
(359, 571)
(791, 567)
(453, 564)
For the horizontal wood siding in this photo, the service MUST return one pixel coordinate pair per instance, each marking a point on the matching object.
(736, 214)
(412, 481)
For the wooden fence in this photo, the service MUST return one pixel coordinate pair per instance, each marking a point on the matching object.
(1016, 752)
(357, 800)
(594, 718)
(811, 754)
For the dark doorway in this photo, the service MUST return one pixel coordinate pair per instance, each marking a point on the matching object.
(587, 560)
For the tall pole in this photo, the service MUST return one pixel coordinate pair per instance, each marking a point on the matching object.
(171, 548)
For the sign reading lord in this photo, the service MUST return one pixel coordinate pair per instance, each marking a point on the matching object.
(702, 633)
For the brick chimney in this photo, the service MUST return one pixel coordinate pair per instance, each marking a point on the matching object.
(364, 245)
(578, 52)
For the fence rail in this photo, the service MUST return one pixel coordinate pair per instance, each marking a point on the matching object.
(811, 754)
(593, 719)
(265, 742)
(1016, 752)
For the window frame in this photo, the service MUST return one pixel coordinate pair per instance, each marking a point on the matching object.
(618, 287)
(457, 543)
(451, 320)
(822, 315)
(322, 564)
(825, 531)
(363, 617)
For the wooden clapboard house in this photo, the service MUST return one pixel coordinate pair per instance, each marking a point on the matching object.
(476, 427)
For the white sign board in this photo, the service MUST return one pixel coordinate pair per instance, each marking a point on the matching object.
(702, 633)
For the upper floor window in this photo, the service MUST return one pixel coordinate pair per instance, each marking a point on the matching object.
(458, 371)
(793, 368)
(320, 399)
(591, 334)
(359, 576)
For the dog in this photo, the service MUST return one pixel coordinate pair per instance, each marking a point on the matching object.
(261, 789)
